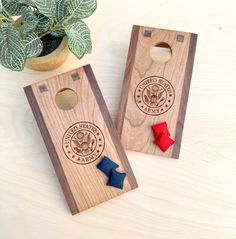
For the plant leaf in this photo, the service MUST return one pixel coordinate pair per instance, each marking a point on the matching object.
(43, 23)
(13, 7)
(12, 49)
(33, 45)
(29, 20)
(1, 7)
(58, 33)
(79, 40)
(27, 2)
(82, 8)
(46, 7)
(61, 10)
(60, 15)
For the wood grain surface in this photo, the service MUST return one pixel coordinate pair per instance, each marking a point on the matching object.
(83, 184)
(190, 198)
(154, 91)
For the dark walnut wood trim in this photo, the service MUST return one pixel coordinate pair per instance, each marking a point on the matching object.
(184, 96)
(127, 79)
(51, 149)
(112, 130)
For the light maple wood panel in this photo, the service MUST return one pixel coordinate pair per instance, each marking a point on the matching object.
(154, 91)
(89, 124)
(193, 197)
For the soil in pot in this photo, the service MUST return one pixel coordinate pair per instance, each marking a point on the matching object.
(50, 43)
(55, 52)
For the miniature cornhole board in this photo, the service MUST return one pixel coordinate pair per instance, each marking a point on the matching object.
(88, 122)
(153, 91)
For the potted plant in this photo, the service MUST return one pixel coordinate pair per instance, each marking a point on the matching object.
(38, 33)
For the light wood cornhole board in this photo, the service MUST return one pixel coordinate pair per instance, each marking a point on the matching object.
(90, 124)
(154, 92)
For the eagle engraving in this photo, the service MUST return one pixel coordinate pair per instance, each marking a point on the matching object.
(83, 143)
(154, 95)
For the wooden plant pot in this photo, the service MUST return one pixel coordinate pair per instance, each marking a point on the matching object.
(50, 61)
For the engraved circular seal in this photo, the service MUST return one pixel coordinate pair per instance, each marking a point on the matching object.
(83, 143)
(154, 95)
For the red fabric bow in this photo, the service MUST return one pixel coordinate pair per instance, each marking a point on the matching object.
(162, 136)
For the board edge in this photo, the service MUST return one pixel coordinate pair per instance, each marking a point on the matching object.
(184, 96)
(127, 80)
(51, 149)
(111, 127)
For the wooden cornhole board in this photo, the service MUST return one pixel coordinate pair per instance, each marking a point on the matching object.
(90, 124)
(154, 92)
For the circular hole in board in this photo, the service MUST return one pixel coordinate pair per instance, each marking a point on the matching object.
(66, 99)
(161, 52)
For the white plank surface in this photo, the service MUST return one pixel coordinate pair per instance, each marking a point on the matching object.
(194, 197)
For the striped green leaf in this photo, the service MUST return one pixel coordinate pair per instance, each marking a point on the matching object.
(79, 40)
(43, 23)
(61, 10)
(27, 2)
(58, 33)
(33, 45)
(60, 15)
(82, 8)
(12, 49)
(46, 7)
(13, 7)
(29, 20)
(1, 7)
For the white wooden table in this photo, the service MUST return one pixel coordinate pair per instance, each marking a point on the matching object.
(193, 197)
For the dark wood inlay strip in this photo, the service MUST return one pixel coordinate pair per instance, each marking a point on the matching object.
(185, 95)
(113, 132)
(51, 149)
(127, 80)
